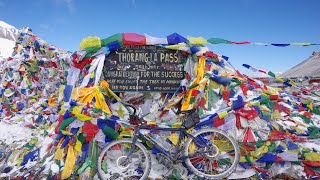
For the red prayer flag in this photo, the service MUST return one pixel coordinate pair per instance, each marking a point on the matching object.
(217, 122)
(262, 71)
(310, 173)
(202, 103)
(248, 136)
(308, 114)
(279, 159)
(194, 92)
(53, 64)
(244, 42)
(90, 129)
(249, 114)
(312, 163)
(277, 135)
(226, 95)
(248, 147)
(244, 88)
(281, 108)
(273, 97)
(80, 65)
(56, 130)
(238, 122)
(133, 39)
(239, 74)
(209, 54)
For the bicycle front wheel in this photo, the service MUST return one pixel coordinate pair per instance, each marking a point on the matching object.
(114, 161)
(212, 153)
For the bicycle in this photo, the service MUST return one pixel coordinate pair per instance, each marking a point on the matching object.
(209, 153)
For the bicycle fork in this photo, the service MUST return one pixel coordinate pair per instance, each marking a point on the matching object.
(131, 150)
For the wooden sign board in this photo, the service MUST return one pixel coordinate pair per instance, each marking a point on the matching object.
(144, 69)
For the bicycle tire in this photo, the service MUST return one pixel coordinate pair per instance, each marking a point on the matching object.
(125, 140)
(217, 176)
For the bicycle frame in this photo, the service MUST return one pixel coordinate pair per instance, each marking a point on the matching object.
(173, 156)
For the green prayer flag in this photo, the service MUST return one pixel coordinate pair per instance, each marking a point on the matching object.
(248, 159)
(272, 147)
(66, 122)
(235, 82)
(116, 37)
(314, 132)
(91, 51)
(271, 74)
(94, 157)
(82, 137)
(268, 165)
(175, 175)
(111, 133)
(29, 146)
(259, 143)
(218, 41)
(316, 110)
(213, 96)
(192, 86)
(200, 111)
(192, 100)
(264, 100)
(305, 119)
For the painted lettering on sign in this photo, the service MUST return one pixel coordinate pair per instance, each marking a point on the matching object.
(144, 68)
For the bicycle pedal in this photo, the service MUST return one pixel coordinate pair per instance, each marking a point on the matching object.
(164, 160)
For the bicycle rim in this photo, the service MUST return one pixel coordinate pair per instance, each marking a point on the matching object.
(212, 154)
(113, 161)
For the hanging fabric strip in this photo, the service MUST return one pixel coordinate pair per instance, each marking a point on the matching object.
(101, 59)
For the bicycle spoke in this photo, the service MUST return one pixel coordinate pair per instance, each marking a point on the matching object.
(211, 170)
(202, 139)
(226, 147)
(211, 165)
(195, 157)
(197, 160)
(224, 163)
(122, 150)
(121, 165)
(214, 136)
(214, 154)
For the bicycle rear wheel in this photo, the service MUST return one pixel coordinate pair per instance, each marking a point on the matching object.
(212, 153)
(114, 163)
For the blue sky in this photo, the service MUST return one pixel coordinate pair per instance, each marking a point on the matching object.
(65, 22)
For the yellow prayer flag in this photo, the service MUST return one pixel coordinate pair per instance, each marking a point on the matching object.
(174, 138)
(51, 101)
(200, 74)
(312, 156)
(223, 114)
(197, 40)
(78, 146)
(59, 153)
(69, 163)
(192, 147)
(176, 47)
(86, 95)
(64, 132)
(77, 112)
(90, 42)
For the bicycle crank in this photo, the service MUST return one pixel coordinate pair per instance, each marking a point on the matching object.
(212, 151)
(164, 160)
(123, 162)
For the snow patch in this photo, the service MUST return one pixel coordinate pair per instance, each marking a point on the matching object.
(14, 133)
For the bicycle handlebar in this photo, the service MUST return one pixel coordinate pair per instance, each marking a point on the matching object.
(130, 106)
(133, 117)
(184, 112)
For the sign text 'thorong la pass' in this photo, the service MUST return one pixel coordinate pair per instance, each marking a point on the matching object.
(144, 68)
